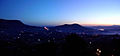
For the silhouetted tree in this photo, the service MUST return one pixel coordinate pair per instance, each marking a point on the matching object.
(74, 46)
(45, 49)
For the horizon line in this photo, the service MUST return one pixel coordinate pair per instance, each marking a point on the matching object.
(70, 23)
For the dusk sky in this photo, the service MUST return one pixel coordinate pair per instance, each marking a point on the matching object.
(56, 12)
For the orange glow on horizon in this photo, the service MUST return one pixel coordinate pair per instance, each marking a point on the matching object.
(92, 23)
(97, 24)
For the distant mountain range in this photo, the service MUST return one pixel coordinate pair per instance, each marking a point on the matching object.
(14, 25)
(73, 28)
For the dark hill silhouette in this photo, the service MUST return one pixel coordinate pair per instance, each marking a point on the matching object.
(15, 26)
(69, 25)
(74, 46)
(12, 24)
(11, 21)
(73, 28)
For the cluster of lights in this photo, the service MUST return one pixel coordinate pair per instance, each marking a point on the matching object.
(98, 52)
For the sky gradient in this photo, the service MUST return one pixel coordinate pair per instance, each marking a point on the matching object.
(56, 12)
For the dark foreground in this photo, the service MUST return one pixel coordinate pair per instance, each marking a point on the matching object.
(70, 45)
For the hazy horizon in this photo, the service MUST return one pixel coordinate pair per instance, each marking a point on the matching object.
(60, 24)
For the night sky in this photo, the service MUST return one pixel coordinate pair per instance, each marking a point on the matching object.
(56, 12)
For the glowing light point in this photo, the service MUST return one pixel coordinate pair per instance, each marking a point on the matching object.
(48, 40)
(19, 34)
(98, 52)
(38, 39)
(90, 42)
(46, 28)
(101, 29)
(18, 37)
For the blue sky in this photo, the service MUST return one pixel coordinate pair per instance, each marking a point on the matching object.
(56, 12)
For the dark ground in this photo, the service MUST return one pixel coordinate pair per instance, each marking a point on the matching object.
(70, 45)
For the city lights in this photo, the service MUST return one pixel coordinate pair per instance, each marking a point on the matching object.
(101, 29)
(98, 52)
(46, 28)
